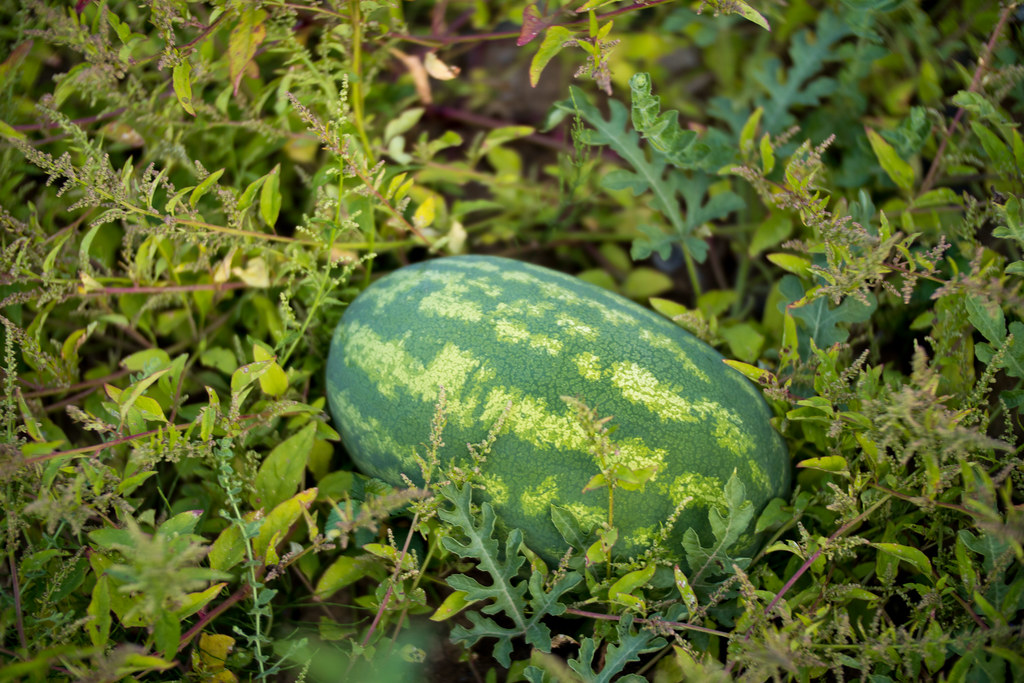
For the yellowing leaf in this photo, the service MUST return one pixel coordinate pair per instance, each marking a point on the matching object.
(254, 274)
(438, 69)
(554, 40)
(424, 215)
(245, 38)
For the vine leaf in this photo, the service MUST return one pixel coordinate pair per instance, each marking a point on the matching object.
(727, 527)
(666, 184)
(821, 320)
(799, 87)
(505, 594)
(629, 648)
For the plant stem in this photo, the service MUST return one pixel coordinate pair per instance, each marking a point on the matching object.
(357, 83)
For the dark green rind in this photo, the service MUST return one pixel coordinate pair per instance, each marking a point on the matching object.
(497, 332)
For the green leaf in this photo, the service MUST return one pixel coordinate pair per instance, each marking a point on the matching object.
(911, 556)
(631, 644)
(193, 602)
(505, 594)
(569, 527)
(827, 463)
(986, 319)
(745, 341)
(651, 175)
(896, 168)
(228, 549)
(98, 627)
(770, 232)
(270, 197)
(452, 605)
(182, 79)
(273, 382)
(749, 130)
(402, 123)
(631, 581)
(686, 591)
(749, 13)
(167, 633)
(643, 283)
(280, 520)
(281, 473)
(751, 372)
(10, 133)
(554, 40)
(202, 188)
(343, 571)
(727, 526)
(819, 319)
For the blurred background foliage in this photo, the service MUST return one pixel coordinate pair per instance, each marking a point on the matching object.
(827, 191)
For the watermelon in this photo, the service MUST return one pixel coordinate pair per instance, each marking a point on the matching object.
(507, 341)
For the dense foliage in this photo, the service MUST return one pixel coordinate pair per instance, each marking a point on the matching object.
(830, 192)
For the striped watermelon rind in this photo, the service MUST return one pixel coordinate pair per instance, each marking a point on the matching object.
(507, 340)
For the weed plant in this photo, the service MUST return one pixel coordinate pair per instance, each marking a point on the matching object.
(828, 191)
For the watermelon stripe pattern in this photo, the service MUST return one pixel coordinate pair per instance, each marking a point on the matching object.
(506, 338)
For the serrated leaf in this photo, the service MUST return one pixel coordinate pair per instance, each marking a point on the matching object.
(631, 644)
(988, 320)
(505, 594)
(821, 320)
(554, 40)
(182, 80)
(651, 175)
(728, 523)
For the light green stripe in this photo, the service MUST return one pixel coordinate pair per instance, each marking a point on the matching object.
(389, 367)
(639, 385)
(705, 491)
(536, 500)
